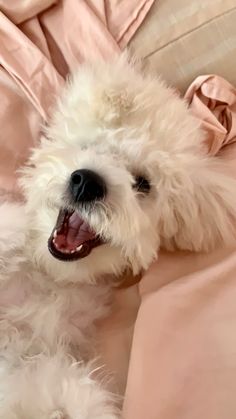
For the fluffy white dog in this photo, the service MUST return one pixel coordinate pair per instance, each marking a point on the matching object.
(121, 171)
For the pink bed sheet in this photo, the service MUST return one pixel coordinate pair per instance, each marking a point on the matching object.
(170, 339)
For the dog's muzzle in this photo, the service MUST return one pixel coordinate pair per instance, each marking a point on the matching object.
(72, 237)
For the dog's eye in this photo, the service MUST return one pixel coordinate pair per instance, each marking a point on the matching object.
(142, 184)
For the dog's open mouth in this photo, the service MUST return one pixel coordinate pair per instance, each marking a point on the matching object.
(72, 238)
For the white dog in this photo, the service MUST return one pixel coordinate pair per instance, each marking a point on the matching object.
(121, 171)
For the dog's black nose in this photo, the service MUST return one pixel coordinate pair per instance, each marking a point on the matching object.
(87, 186)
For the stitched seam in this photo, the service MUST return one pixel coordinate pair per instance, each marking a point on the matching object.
(139, 11)
(189, 32)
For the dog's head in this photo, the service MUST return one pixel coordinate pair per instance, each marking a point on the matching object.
(120, 172)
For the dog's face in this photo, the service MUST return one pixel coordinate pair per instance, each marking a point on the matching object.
(119, 174)
(93, 206)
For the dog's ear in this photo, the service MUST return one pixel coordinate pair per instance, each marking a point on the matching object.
(202, 216)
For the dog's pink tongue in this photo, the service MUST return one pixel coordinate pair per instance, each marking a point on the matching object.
(73, 233)
(79, 231)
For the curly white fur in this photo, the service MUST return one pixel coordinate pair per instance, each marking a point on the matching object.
(120, 123)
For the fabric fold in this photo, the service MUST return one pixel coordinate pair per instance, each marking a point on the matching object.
(213, 100)
(19, 11)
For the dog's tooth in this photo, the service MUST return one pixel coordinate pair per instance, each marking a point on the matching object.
(72, 251)
(55, 243)
(55, 234)
(79, 248)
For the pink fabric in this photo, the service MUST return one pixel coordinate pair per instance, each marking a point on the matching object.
(183, 357)
(213, 101)
(173, 334)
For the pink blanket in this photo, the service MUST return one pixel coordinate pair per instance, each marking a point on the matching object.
(173, 334)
